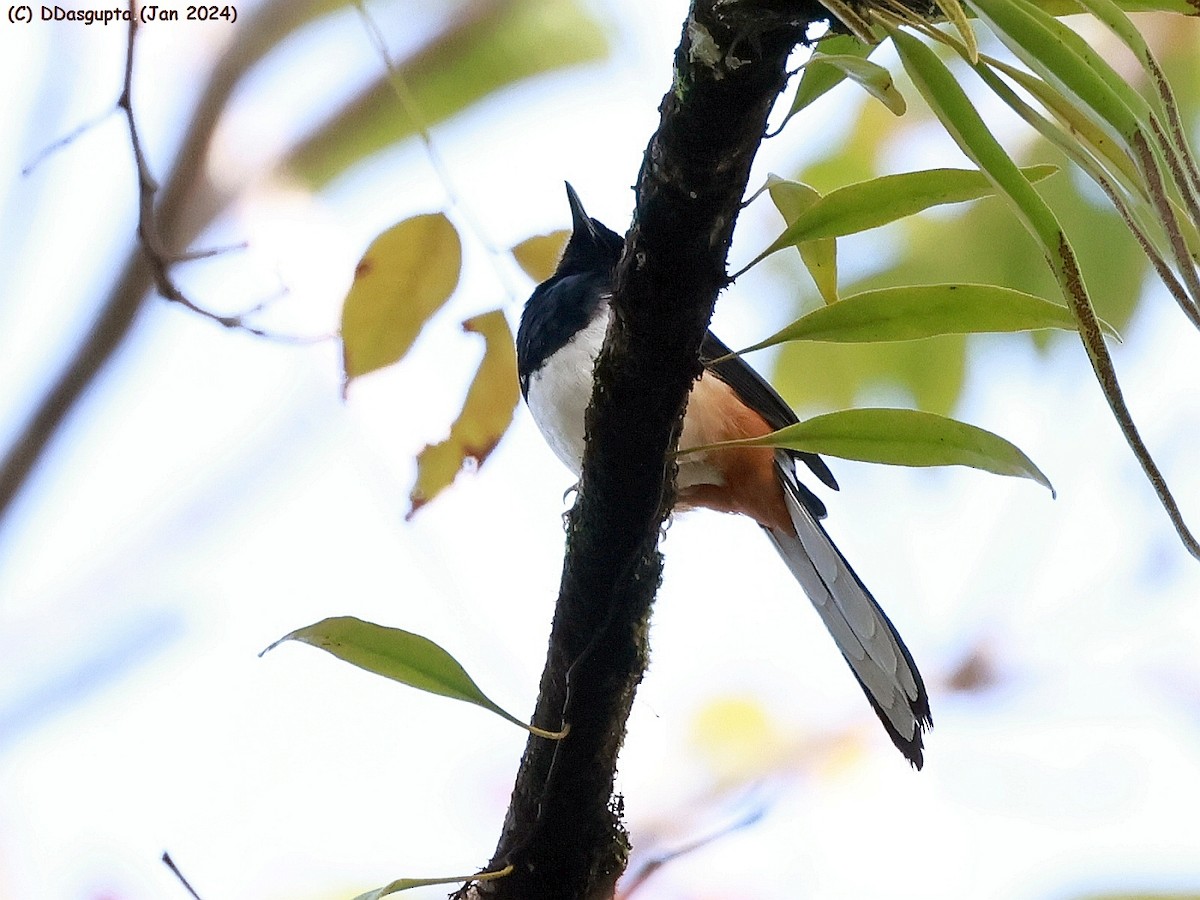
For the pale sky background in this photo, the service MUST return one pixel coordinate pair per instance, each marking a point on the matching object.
(214, 493)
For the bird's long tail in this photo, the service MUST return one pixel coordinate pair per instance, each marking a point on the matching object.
(868, 640)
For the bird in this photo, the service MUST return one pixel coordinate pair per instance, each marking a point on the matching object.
(561, 331)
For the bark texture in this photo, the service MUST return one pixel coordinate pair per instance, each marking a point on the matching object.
(563, 834)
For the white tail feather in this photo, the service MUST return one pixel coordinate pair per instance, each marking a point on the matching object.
(860, 628)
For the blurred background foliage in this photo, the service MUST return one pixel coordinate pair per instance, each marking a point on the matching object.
(209, 494)
(492, 45)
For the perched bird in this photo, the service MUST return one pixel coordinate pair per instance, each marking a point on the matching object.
(562, 328)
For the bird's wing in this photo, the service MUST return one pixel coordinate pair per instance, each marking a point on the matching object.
(757, 393)
(860, 628)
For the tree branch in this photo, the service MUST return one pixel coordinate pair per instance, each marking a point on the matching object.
(563, 832)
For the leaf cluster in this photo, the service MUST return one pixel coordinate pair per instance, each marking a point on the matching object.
(1133, 147)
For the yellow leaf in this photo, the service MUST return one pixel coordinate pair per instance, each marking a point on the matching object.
(405, 276)
(485, 415)
(539, 255)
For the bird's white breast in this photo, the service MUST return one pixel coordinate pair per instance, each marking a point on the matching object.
(558, 397)
(559, 392)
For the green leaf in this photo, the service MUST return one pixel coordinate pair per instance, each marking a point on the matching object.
(1115, 264)
(912, 312)
(875, 79)
(961, 120)
(405, 276)
(792, 199)
(405, 884)
(1062, 56)
(1083, 142)
(830, 376)
(990, 246)
(900, 437)
(1115, 19)
(818, 81)
(1081, 127)
(957, 16)
(1057, 53)
(486, 50)
(401, 656)
(963, 123)
(1181, 163)
(856, 22)
(870, 204)
(1069, 7)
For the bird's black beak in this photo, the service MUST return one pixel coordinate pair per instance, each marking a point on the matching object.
(581, 222)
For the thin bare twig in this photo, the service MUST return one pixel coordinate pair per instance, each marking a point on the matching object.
(149, 235)
(65, 141)
(643, 873)
(170, 864)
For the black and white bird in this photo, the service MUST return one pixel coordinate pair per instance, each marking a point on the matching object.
(562, 328)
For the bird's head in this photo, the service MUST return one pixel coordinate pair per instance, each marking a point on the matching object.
(593, 245)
